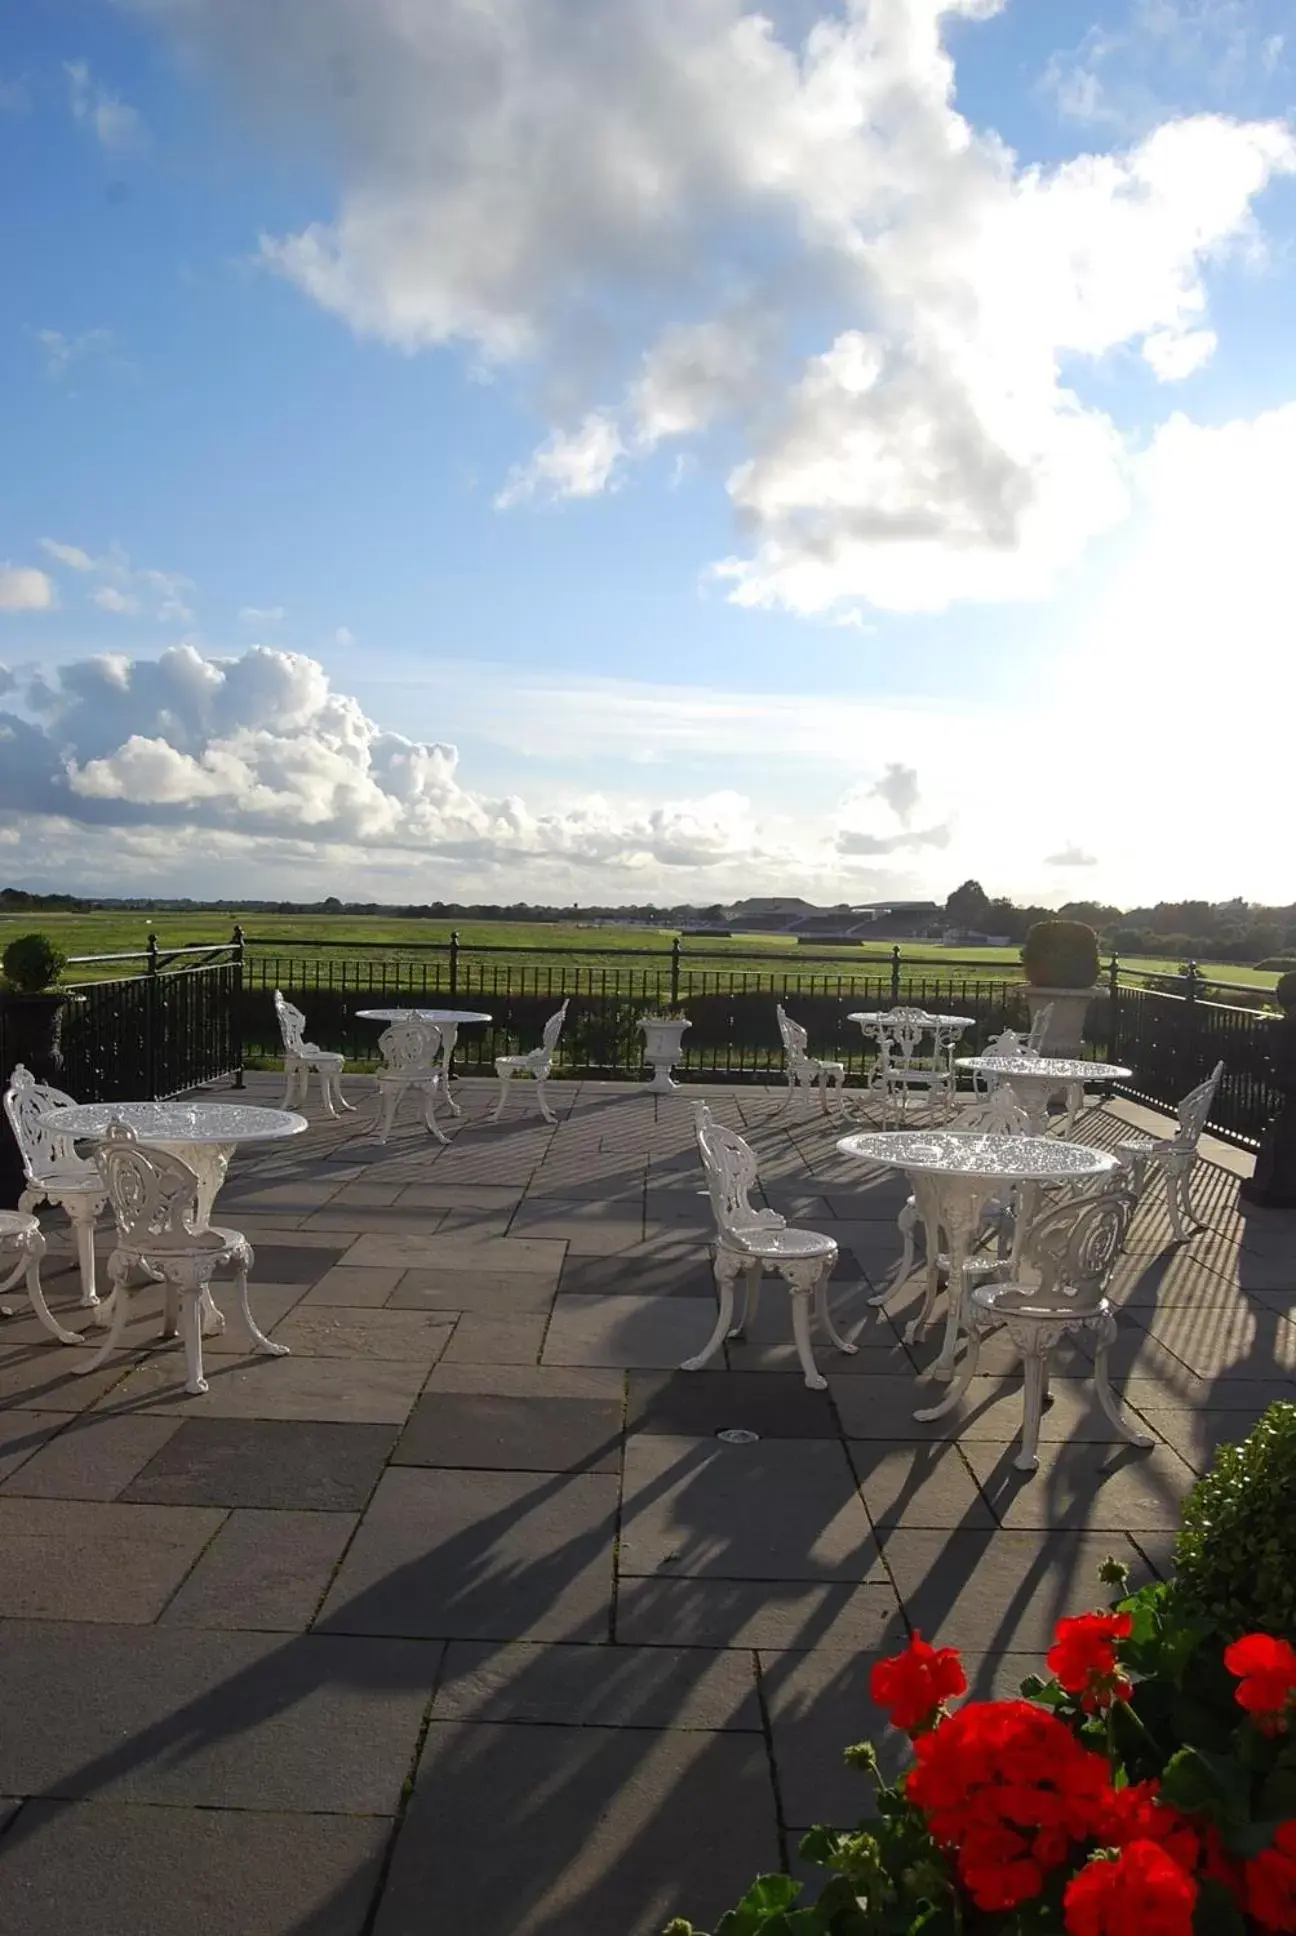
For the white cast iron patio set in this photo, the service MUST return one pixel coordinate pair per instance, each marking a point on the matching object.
(1021, 1227)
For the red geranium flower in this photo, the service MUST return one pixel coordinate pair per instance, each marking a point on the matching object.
(1008, 1789)
(1137, 1814)
(915, 1684)
(1271, 1881)
(1142, 1892)
(1266, 1669)
(1082, 1658)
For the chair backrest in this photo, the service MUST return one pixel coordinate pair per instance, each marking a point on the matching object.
(41, 1149)
(292, 1023)
(794, 1036)
(152, 1194)
(1039, 1029)
(1073, 1246)
(1194, 1111)
(553, 1028)
(730, 1166)
(998, 1114)
(409, 1047)
(1008, 1044)
(901, 1033)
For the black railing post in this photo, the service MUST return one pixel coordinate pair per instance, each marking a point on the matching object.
(236, 1020)
(454, 962)
(151, 1020)
(1113, 992)
(675, 972)
(895, 972)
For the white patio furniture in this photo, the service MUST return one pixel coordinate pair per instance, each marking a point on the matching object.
(202, 1135)
(409, 1050)
(300, 1057)
(904, 1070)
(749, 1242)
(53, 1171)
(21, 1240)
(999, 1114)
(1038, 1032)
(448, 1020)
(1068, 1259)
(806, 1072)
(955, 1174)
(1037, 1078)
(1174, 1156)
(537, 1063)
(160, 1230)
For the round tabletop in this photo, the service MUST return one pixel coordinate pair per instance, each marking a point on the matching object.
(438, 1015)
(1058, 1068)
(965, 1152)
(178, 1122)
(885, 1014)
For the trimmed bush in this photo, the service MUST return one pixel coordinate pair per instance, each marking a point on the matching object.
(1061, 954)
(1285, 992)
(1235, 1557)
(32, 962)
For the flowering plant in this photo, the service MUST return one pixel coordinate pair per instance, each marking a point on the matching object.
(1147, 1787)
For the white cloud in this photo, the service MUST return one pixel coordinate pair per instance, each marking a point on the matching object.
(113, 121)
(62, 352)
(109, 599)
(344, 636)
(1071, 856)
(70, 555)
(24, 589)
(879, 819)
(1162, 55)
(579, 464)
(676, 217)
(261, 615)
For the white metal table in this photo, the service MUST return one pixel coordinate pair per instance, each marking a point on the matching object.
(898, 1032)
(448, 1020)
(954, 1174)
(202, 1134)
(1035, 1077)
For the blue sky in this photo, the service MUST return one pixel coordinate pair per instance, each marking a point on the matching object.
(646, 450)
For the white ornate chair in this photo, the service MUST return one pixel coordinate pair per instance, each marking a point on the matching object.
(750, 1242)
(53, 1171)
(1174, 1156)
(999, 1114)
(409, 1053)
(300, 1057)
(154, 1198)
(537, 1063)
(20, 1238)
(1069, 1254)
(902, 1070)
(805, 1072)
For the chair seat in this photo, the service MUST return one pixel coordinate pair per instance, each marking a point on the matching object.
(215, 1241)
(1147, 1146)
(756, 1241)
(1024, 1301)
(309, 1053)
(68, 1183)
(16, 1223)
(521, 1063)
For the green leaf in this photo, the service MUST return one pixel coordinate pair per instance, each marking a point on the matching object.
(1189, 1782)
(819, 1845)
(761, 1911)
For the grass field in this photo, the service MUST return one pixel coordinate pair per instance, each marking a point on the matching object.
(394, 939)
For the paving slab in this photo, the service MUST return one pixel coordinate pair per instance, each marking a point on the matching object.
(629, 1332)
(597, 1829)
(599, 1686)
(496, 1341)
(293, 1263)
(459, 1253)
(409, 1337)
(531, 1434)
(39, 1378)
(757, 1613)
(95, 1456)
(22, 1434)
(67, 1559)
(883, 1408)
(1197, 1436)
(918, 1485)
(1000, 1592)
(784, 1509)
(214, 1720)
(264, 1572)
(84, 1869)
(480, 1556)
(292, 1464)
(698, 1404)
(1099, 1488)
(530, 1381)
(490, 1293)
(373, 1391)
(665, 1270)
(354, 1286)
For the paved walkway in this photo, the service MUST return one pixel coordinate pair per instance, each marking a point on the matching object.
(462, 1617)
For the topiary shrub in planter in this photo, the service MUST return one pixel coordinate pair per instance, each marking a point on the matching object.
(32, 963)
(1235, 1557)
(1061, 954)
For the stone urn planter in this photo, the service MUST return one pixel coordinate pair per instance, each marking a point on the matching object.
(1060, 959)
(663, 1048)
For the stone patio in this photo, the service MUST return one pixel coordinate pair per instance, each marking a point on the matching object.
(462, 1617)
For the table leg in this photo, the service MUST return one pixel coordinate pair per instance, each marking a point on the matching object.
(963, 1200)
(449, 1036)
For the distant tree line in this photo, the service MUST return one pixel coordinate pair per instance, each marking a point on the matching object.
(1236, 930)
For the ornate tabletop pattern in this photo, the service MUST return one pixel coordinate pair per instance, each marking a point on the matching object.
(952, 1152)
(179, 1122)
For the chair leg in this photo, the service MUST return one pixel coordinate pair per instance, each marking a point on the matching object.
(907, 1225)
(325, 1089)
(931, 1288)
(498, 1110)
(170, 1310)
(962, 1379)
(1036, 1378)
(429, 1112)
(725, 1286)
(543, 1101)
(37, 1297)
(191, 1325)
(801, 1308)
(1173, 1205)
(117, 1304)
(263, 1344)
(84, 1226)
(335, 1088)
(824, 1315)
(391, 1096)
(1112, 1405)
(1185, 1196)
(751, 1297)
(290, 1084)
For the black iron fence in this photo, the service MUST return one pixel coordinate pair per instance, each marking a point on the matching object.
(189, 1015)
